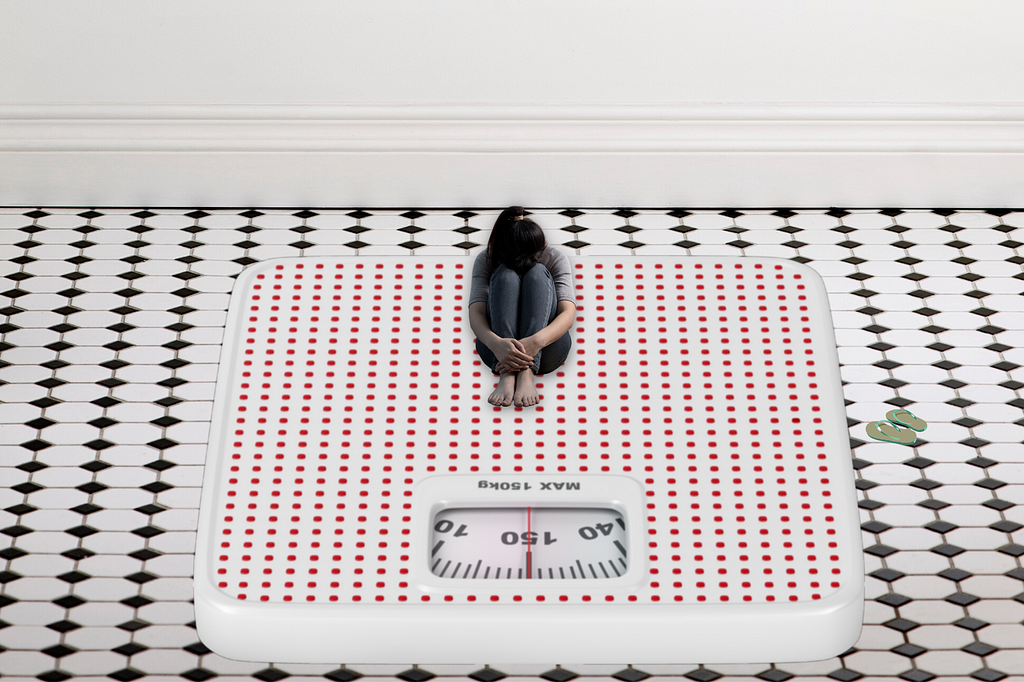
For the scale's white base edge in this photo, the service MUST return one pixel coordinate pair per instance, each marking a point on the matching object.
(634, 634)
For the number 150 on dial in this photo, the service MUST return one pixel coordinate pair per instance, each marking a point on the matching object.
(520, 543)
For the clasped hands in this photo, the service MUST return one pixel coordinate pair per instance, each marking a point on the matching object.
(514, 355)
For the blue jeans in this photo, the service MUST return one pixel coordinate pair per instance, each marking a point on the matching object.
(518, 307)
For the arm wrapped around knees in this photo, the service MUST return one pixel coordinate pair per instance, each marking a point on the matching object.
(509, 352)
(564, 317)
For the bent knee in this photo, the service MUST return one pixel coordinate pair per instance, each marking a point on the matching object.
(538, 270)
(504, 272)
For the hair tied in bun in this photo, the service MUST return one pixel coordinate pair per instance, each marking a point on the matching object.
(518, 217)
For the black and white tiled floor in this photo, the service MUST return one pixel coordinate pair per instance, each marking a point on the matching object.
(112, 319)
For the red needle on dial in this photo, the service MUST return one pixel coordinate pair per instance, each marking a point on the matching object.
(529, 542)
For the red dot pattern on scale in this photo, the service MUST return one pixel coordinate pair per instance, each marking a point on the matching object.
(354, 377)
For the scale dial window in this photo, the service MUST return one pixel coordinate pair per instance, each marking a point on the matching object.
(528, 543)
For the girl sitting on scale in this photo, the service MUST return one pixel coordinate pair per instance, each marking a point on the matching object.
(521, 307)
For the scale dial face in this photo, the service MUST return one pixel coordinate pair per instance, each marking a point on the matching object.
(522, 543)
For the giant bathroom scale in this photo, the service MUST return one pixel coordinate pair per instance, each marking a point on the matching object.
(683, 492)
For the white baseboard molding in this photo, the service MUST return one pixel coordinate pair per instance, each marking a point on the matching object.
(547, 154)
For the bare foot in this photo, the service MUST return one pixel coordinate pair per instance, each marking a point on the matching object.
(502, 396)
(526, 392)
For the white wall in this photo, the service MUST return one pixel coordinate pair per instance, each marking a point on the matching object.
(79, 81)
(511, 50)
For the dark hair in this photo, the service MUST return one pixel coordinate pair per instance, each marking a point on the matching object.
(516, 244)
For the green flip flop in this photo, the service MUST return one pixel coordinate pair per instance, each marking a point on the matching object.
(906, 418)
(890, 433)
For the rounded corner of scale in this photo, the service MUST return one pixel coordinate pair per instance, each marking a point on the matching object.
(802, 268)
(209, 594)
(249, 271)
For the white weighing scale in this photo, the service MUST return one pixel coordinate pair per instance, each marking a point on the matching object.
(683, 492)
